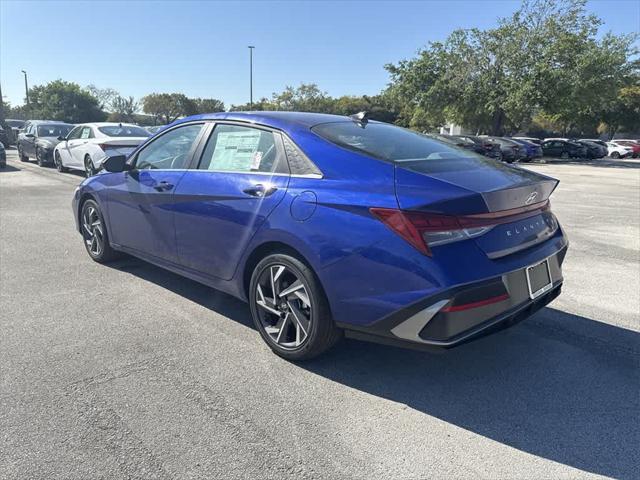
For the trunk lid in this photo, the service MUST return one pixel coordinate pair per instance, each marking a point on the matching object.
(484, 188)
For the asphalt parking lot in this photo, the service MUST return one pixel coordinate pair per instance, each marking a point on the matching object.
(128, 371)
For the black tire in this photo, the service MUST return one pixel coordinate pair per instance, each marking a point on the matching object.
(615, 155)
(21, 155)
(89, 169)
(39, 160)
(564, 155)
(58, 163)
(499, 157)
(89, 213)
(322, 334)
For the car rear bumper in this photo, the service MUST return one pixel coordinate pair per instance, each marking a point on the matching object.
(466, 312)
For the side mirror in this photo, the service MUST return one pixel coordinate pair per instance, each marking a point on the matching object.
(115, 164)
(61, 138)
(29, 135)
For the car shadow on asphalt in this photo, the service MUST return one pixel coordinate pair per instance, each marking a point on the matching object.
(9, 168)
(558, 386)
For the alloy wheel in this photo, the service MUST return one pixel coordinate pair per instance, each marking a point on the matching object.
(39, 157)
(58, 161)
(284, 306)
(92, 230)
(88, 167)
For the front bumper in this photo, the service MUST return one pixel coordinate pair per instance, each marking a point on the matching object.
(446, 320)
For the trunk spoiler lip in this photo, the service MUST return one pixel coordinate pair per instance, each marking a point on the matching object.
(511, 212)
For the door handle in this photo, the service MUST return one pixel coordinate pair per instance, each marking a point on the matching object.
(163, 186)
(260, 190)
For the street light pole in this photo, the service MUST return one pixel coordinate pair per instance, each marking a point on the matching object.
(26, 87)
(251, 47)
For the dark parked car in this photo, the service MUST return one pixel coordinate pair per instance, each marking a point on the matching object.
(5, 139)
(532, 150)
(3, 156)
(594, 150)
(481, 145)
(14, 127)
(39, 140)
(511, 151)
(563, 149)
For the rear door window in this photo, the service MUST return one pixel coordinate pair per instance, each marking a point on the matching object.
(236, 148)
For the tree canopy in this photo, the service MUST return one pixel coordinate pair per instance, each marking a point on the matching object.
(545, 58)
(66, 101)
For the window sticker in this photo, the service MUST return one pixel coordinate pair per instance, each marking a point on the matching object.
(85, 133)
(236, 151)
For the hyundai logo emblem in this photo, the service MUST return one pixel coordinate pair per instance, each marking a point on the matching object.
(531, 198)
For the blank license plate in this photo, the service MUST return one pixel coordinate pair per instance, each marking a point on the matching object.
(538, 279)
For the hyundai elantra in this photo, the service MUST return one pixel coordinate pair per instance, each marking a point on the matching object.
(330, 226)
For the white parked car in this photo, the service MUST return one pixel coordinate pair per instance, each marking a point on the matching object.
(89, 144)
(618, 151)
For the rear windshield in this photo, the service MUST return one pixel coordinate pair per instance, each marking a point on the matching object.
(124, 131)
(54, 130)
(391, 143)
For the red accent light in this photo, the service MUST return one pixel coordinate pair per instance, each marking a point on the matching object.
(480, 303)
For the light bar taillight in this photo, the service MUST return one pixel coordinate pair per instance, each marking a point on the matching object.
(110, 146)
(424, 230)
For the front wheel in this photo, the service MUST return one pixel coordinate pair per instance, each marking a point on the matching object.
(39, 158)
(94, 233)
(58, 161)
(564, 155)
(615, 155)
(289, 308)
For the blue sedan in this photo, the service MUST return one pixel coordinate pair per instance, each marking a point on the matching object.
(331, 226)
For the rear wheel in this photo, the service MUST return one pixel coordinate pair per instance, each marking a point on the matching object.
(58, 162)
(615, 155)
(564, 155)
(289, 308)
(89, 169)
(21, 155)
(94, 233)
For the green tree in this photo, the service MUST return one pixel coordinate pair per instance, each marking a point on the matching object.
(105, 96)
(545, 56)
(167, 107)
(123, 109)
(66, 101)
(208, 105)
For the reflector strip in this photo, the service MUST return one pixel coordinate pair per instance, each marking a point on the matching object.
(481, 303)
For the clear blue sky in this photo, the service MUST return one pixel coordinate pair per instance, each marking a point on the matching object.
(200, 48)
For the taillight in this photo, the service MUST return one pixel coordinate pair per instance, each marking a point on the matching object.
(424, 230)
(110, 146)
